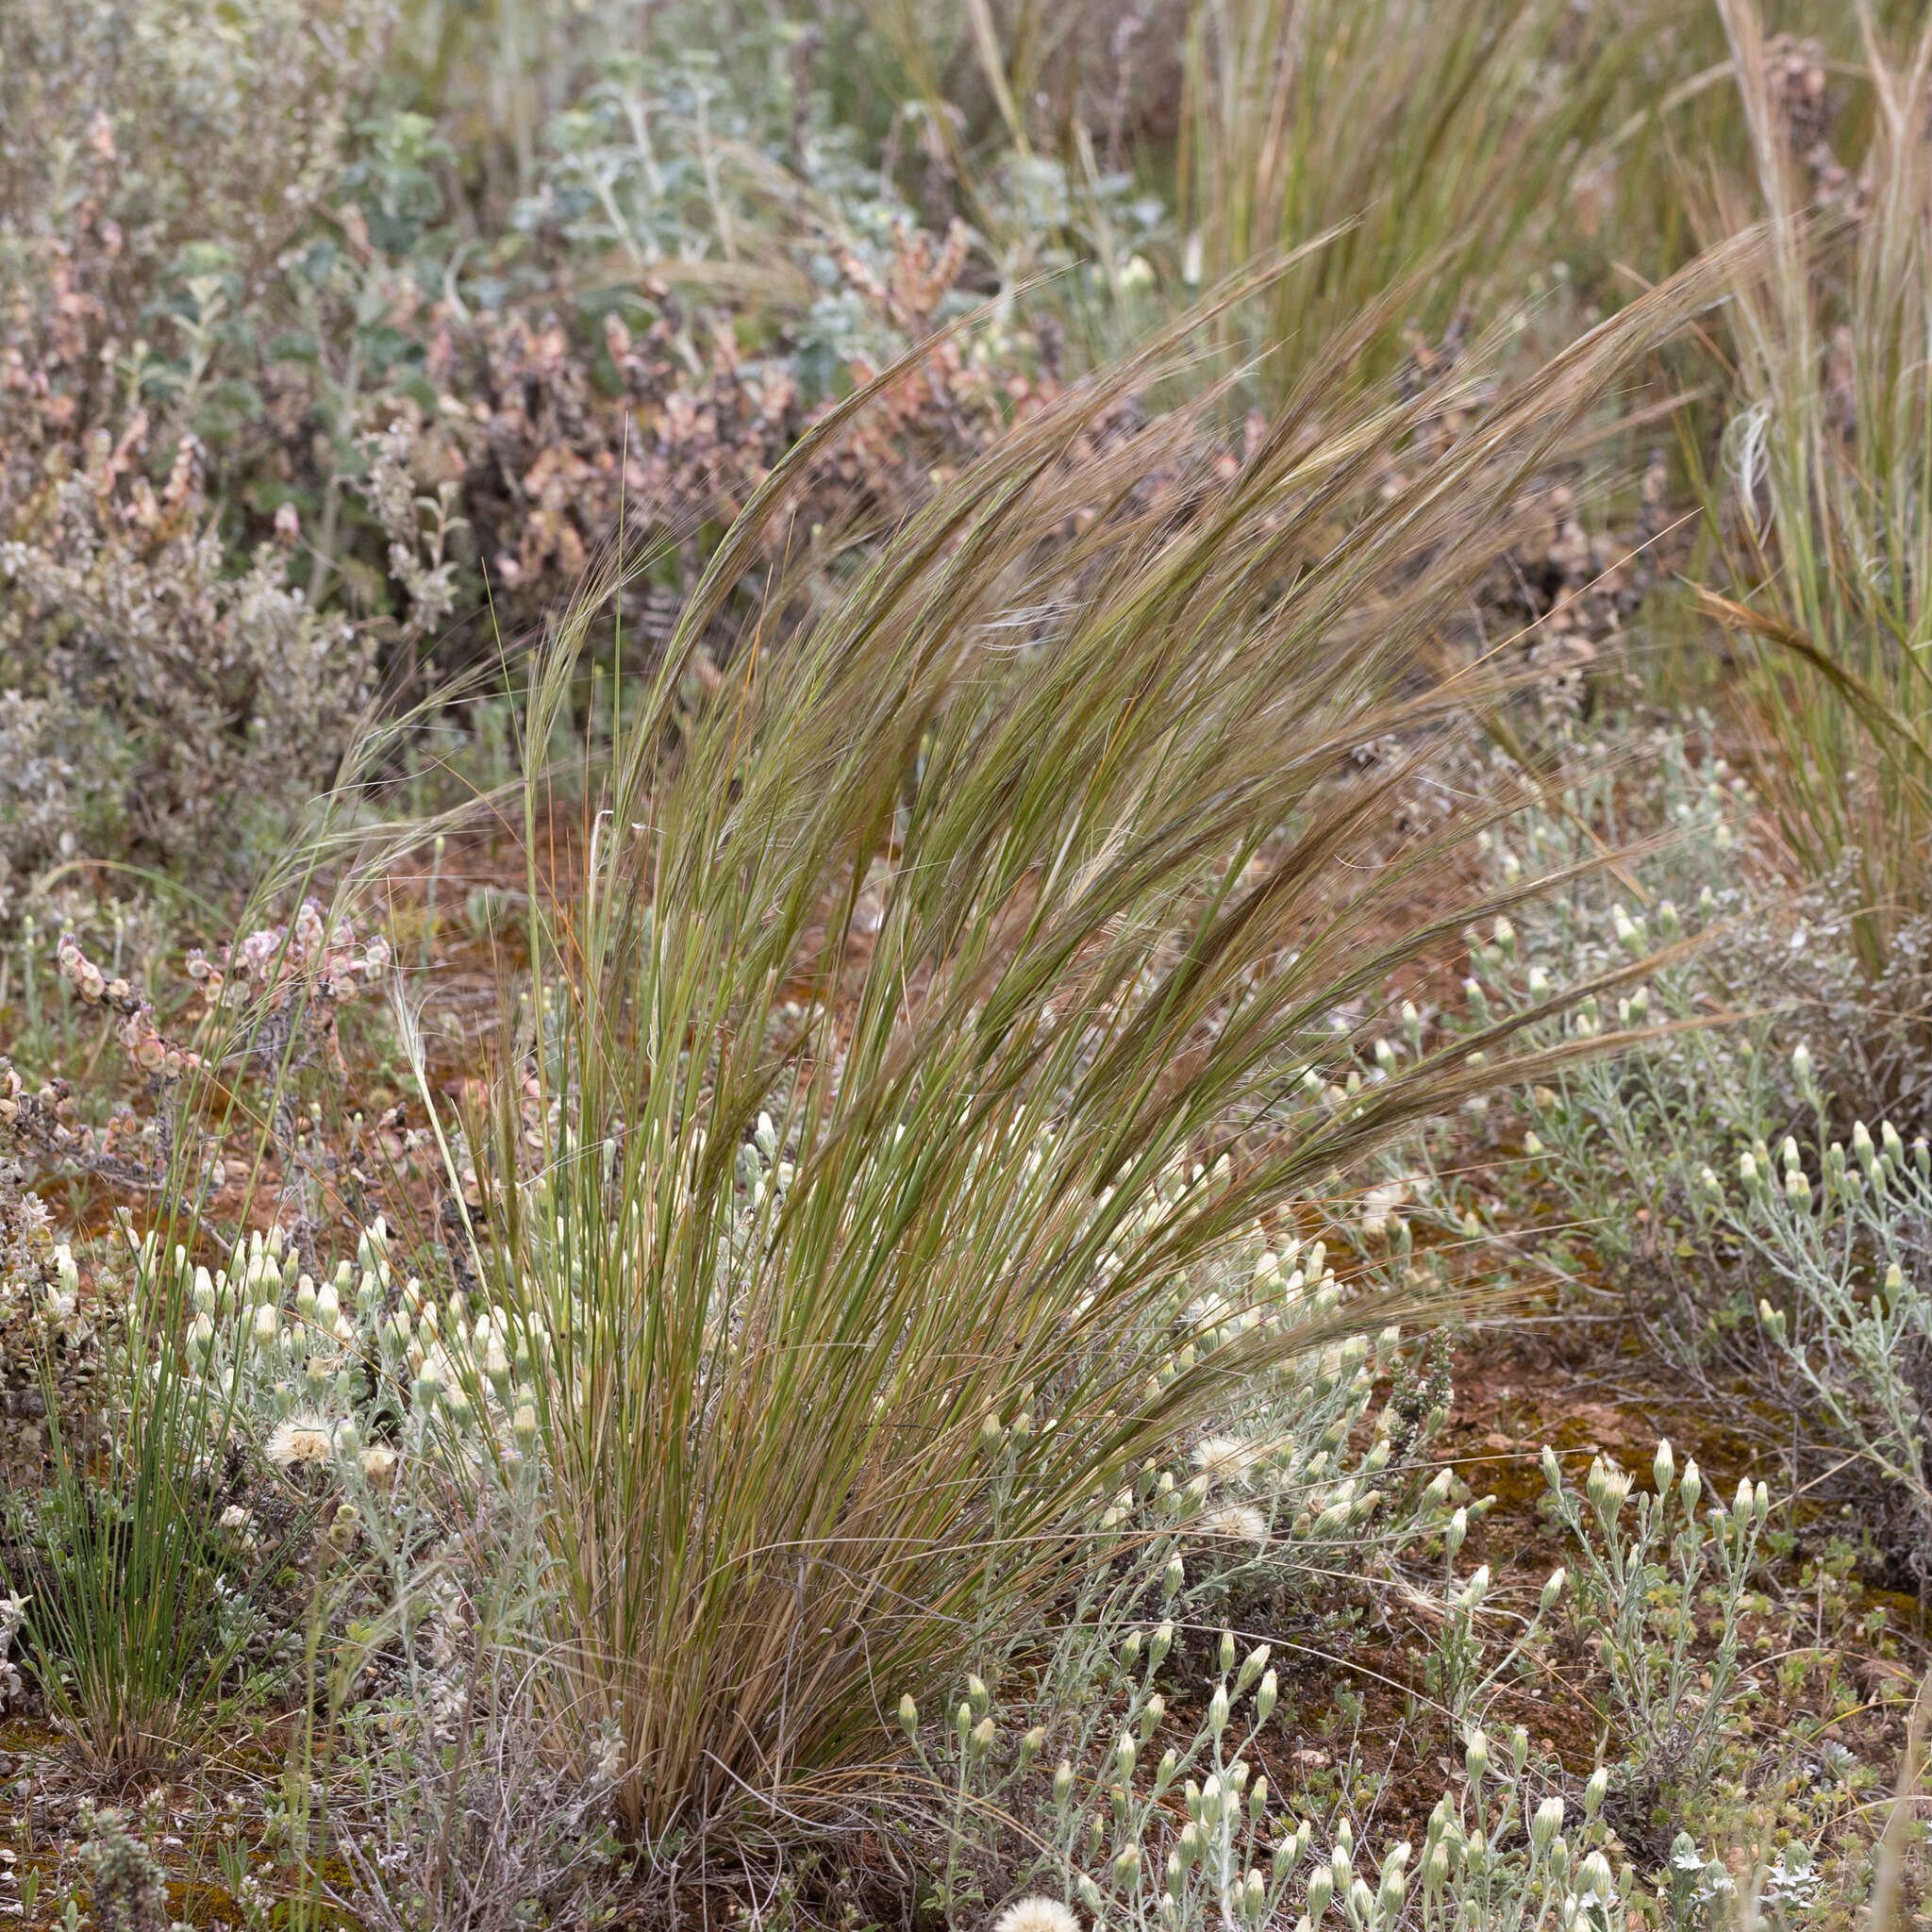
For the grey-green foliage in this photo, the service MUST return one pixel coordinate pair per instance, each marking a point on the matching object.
(1498, 1856)
(403, 1409)
(1615, 1135)
(1725, 1136)
(1639, 1585)
(1845, 1300)
(180, 91)
(1611, 1136)
(127, 1887)
(1105, 1832)
(1505, 1849)
(1101, 1833)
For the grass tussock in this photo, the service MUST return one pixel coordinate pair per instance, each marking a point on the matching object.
(1825, 529)
(1004, 903)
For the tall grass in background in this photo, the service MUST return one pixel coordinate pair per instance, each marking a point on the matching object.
(1824, 510)
(1434, 130)
(1030, 882)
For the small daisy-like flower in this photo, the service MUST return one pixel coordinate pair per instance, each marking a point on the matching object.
(1238, 1522)
(1037, 1915)
(378, 1464)
(1224, 1459)
(297, 1442)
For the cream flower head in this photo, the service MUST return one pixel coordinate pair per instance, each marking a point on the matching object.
(1224, 1459)
(1237, 1522)
(295, 1442)
(1037, 1915)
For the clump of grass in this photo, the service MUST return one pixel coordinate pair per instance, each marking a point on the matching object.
(1010, 905)
(147, 1576)
(1426, 133)
(142, 1590)
(1825, 535)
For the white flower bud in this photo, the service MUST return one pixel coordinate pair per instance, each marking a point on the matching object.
(1595, 1876)
(1265, 1698)
(496, 1367)
(1544, 1826)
